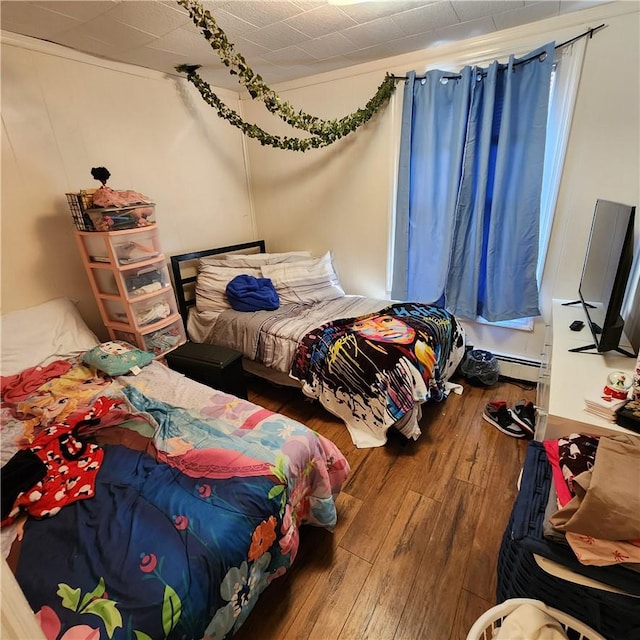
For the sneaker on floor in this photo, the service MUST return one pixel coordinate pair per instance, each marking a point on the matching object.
(524, 413)
(497, 414)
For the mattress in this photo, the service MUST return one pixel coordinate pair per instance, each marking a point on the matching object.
(271, 337)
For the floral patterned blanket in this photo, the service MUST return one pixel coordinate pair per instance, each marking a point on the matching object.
(196, 509)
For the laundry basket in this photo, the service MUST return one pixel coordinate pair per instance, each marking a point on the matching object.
(485, 625)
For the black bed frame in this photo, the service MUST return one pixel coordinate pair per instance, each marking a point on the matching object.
(187, 263)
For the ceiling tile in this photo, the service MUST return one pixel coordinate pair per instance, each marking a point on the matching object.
(249, 49)
(321, 21)
(468, 10)
(427, 18)
(34, 21)
(151, 17)
(367, 11)
(409, 44)
(473, 28)
(289, 56)
(530, 13)
(329, 46)
(80, 41)
(232, 24)
(576, 5)
(328, 64)
(186, 42)
(121, 36)
(78, 10)
(372, 33)
(165, 61)
(261, 13)
(369, 53)
(276, 36)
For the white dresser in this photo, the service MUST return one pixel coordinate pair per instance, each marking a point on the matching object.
(566, 377)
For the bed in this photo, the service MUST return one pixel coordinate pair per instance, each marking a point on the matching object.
(371, 362)
(155, 507)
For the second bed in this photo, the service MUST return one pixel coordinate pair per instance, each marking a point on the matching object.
(371, 362)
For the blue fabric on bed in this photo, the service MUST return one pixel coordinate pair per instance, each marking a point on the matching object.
(248, 293)
(151, 544)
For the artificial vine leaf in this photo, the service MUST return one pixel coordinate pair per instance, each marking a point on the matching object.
(140, 635)
(323, 132)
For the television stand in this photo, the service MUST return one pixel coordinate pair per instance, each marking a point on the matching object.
(587, 347)
(566, 377)
(570, 304)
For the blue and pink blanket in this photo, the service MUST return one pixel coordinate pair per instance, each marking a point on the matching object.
(196, 509)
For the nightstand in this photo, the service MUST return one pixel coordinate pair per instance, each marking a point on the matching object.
(217, 367)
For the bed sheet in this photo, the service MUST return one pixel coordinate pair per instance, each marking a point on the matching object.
(196, 507)
(271, 337)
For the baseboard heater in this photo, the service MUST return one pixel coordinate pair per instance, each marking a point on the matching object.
(518, 368)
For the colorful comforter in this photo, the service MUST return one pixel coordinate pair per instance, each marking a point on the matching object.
(195, 510)
(374, 371)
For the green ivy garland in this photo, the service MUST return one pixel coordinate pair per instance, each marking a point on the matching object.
(323, 132)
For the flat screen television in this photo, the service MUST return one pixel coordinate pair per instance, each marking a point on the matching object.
(605, 273)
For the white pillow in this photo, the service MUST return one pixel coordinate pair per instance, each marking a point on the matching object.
(255, 259)
(211, 285)
(305, 281)
(41, 334)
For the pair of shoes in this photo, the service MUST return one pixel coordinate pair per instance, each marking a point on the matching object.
(524, 413)
(500, 416)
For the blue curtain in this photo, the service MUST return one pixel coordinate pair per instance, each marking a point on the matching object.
(469, 184)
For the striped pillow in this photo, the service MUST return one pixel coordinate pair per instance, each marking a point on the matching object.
(212, 283)
(304, 281)
(254, 259)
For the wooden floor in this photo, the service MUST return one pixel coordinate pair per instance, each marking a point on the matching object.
(413, 556)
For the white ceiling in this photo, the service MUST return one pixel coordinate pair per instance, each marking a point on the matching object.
(282, 40)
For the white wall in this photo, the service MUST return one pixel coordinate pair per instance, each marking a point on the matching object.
(64, 113)
(340, 198)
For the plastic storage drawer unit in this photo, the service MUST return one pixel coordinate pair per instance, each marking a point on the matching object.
(217, 367)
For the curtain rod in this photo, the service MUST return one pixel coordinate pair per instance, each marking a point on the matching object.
(589, 33)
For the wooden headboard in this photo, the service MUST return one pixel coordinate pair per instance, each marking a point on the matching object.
(184, 268)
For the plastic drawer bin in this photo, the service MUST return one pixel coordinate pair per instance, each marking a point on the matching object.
(144, 312)
(166, 338)
(116, 218)
(132, 249)
(139, 282)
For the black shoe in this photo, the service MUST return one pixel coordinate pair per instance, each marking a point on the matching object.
(524, 413)
(497, 414)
